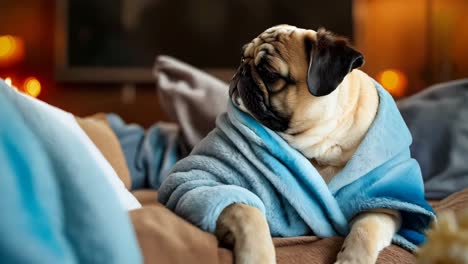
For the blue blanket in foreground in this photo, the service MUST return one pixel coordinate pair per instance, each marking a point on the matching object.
(56, 207)
(242, 161)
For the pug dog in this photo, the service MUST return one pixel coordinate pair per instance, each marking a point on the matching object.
(305, 85)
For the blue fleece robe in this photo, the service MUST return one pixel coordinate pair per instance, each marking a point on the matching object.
(242, 161)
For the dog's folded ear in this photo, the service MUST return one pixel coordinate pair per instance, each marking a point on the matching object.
(330, 59)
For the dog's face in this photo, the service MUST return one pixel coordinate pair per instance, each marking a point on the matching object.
(286, 70)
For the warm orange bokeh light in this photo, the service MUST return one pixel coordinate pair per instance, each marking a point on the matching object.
(8, 81)
(7, 46)
(11, 50)
(32, 87)
(394, 81)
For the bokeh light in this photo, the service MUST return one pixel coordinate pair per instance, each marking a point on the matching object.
(8, 81)
(7, 46)
(11, 50)
(394, 81)
(32, 86)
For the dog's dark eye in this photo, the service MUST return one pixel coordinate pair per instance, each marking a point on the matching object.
(270, 77)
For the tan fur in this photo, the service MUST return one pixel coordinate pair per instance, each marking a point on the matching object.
(325, 129)
(370, 233)
(246, 228)
(447, 240)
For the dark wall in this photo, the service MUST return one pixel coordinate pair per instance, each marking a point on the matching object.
(33, 21)
(207, 34)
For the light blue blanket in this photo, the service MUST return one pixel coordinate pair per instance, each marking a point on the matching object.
(242, 161)
(55, 204)
(150, 154)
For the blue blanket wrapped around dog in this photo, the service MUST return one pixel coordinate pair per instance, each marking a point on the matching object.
(242, 161)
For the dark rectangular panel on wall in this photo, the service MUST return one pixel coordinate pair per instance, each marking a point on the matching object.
(119, 40)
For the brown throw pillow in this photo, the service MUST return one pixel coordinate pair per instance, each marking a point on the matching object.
(99, 131)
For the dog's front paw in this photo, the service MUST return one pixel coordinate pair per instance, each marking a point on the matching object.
(353, 258)
(355, 253)
(246, 228)
(260, 252)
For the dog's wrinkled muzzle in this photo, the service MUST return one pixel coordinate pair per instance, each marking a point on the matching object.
(245, 93)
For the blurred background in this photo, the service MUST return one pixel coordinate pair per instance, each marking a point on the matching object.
(89, 56)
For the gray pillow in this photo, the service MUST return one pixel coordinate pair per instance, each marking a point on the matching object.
(191, 97)
(438, 120)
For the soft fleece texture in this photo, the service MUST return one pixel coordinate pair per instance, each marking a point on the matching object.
(242, 161)
(58, 202)
(151, 154)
